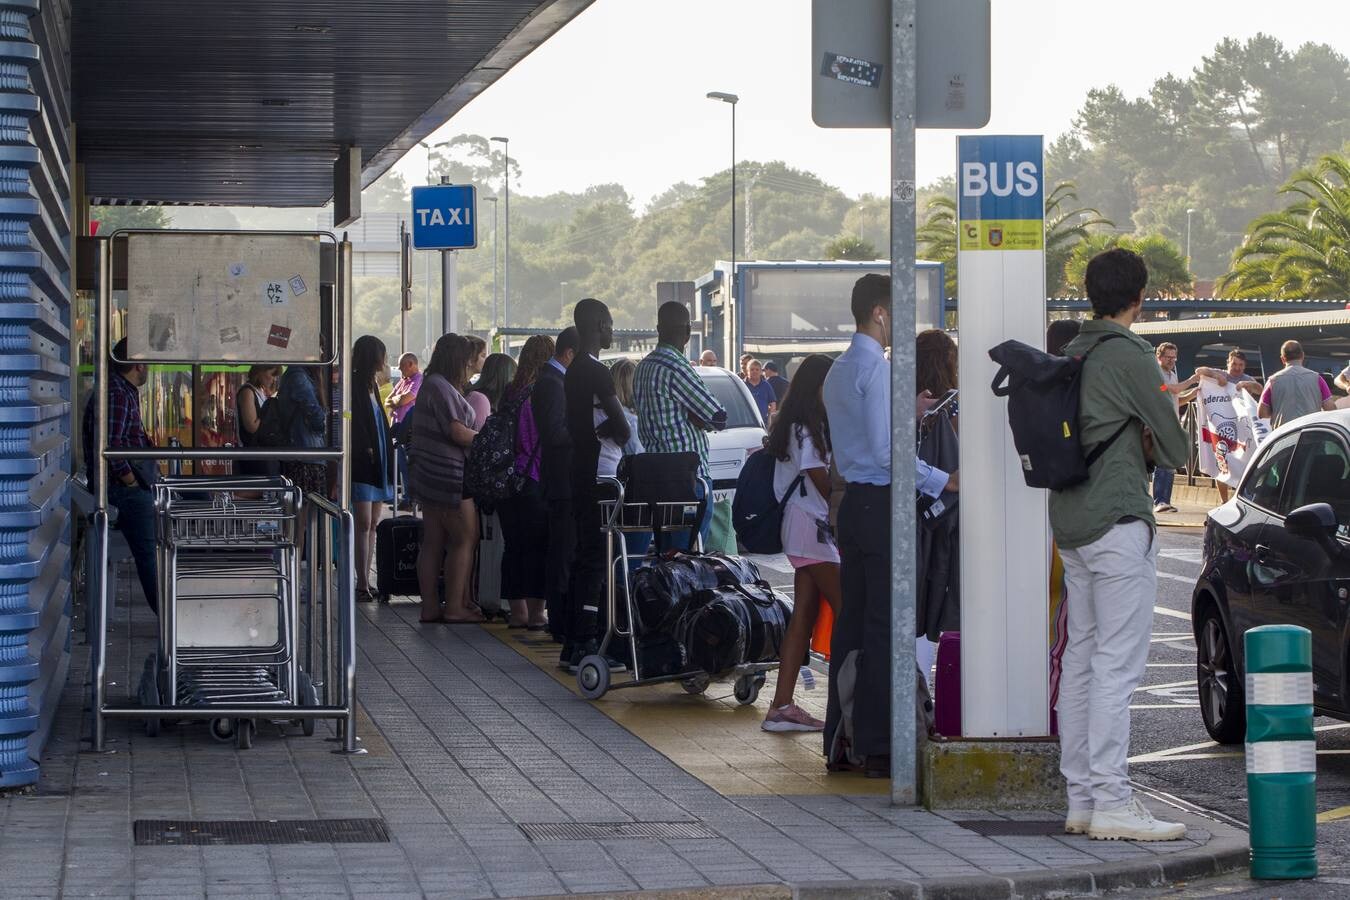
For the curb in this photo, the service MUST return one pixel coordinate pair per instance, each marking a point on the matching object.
(1225, 851)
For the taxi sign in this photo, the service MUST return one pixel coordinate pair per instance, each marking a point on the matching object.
(444, 217)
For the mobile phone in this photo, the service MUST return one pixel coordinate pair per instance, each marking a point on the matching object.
(945, 401)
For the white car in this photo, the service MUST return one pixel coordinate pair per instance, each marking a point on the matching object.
(743, 435)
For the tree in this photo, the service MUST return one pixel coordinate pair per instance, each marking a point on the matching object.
(936, 237)
(111, 218)
(848, 246)
(389, 193)
(1065, 229)
(1167, 272)
(1304, 249)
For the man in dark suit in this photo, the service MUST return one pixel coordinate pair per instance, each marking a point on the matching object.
(550, 417)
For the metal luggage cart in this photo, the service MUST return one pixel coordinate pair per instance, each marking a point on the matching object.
(594, 679)
(248, 629)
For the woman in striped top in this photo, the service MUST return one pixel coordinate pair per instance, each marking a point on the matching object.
(443, 427)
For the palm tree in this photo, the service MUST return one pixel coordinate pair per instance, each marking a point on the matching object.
(1167, 272)
(936, 237)
(1065, 229)
(1304, 249)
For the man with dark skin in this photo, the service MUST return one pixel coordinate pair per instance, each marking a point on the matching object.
(588, 387)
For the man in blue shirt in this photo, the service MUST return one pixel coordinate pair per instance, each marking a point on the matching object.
(858, 400)
(760, 388)
(776, 381)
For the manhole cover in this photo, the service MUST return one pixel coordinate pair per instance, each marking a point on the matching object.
(165, 832)
(589, 831)
(1009, 828)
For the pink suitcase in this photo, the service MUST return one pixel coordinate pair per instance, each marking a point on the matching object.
(947, 685)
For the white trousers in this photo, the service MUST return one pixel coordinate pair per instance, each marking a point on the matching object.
(1111, 586)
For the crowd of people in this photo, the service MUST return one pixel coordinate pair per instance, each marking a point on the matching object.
(572, 419)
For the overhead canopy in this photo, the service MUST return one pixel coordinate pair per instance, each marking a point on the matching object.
(248, 102)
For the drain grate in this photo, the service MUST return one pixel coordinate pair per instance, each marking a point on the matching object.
(591, 831)
(1009, 828)
(168, 832)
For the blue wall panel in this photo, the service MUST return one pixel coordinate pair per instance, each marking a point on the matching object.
(35, 355)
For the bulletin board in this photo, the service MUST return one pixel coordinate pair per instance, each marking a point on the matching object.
(213, 297)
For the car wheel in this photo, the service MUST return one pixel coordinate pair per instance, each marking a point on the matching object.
(1223, 704)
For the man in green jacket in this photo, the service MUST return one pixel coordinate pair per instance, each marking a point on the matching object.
(1106, 535)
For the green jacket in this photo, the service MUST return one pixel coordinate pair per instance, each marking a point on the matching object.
(1121, 381)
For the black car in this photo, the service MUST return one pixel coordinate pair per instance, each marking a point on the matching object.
(1278, 552)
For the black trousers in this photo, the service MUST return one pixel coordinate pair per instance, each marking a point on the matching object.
(862, 628)
(587, 602)
(562, 536)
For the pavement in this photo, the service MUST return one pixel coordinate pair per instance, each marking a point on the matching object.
(476, 747)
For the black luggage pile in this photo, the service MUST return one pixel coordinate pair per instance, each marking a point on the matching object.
(706, 612)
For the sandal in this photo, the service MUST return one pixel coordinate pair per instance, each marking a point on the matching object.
(365, 595)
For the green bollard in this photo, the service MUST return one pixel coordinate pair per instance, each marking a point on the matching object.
(1281, 752)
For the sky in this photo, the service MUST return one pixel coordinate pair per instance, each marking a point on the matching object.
(618, 93)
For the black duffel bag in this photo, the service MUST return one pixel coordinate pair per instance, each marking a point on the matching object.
(714, 627)
(768, 612)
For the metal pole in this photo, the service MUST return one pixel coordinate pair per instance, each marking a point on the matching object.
(903, 319)
(449, 291)
(731, 287)
(102, 371)
(495, 321)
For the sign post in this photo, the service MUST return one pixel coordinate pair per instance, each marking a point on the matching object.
(445, 218)
(1004, 586)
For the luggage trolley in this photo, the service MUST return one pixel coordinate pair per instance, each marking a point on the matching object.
(247, 629)
(623, 517)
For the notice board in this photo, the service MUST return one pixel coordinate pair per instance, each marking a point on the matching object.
(200, 297)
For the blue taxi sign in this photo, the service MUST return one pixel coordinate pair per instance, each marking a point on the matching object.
(444, 217)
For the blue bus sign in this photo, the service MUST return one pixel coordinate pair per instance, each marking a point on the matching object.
(443, 217)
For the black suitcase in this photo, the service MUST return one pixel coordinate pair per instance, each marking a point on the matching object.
(397, 542)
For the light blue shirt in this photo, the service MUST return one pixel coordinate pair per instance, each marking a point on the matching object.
(858, 400)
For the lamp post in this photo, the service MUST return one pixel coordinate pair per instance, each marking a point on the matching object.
(562, 299)
(506, 214)
(732, 99)
(493, 201)
(1189, 213)
(426, 304)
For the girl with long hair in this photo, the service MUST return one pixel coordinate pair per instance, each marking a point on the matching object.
(800, 441)
(524, 516)
(443, 428)
(372, 453)
(498, 371)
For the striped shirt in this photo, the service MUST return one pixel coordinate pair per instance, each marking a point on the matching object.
(666, 390)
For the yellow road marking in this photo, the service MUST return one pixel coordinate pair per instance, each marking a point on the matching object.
(1332, 815)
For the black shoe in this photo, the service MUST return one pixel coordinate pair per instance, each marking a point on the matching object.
(877, 767)
(565, 657)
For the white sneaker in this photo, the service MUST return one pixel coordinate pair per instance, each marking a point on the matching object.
(1077, 821)
(1132, 822)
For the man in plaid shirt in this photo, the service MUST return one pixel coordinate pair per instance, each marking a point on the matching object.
(129, 482)
(675, 409)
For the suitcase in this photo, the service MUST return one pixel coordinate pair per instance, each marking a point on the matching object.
(487, 568)
(397, 542)
(947, 692)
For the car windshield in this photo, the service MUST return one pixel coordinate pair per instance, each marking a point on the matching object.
(740, 412)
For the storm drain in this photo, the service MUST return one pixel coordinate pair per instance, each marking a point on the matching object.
(1009, 828)
(591, 831)
(168, 832)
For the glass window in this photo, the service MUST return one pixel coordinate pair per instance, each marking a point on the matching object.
(741, 412)
(1264, 484)
(1320, 474)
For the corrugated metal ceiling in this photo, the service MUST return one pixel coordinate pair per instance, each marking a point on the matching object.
(249, 102)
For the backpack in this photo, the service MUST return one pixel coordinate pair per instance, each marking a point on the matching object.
(1043, 402)
(490, 473)
(273, 425)
(756, 512)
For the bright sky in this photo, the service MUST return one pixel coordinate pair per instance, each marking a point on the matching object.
(618, 94)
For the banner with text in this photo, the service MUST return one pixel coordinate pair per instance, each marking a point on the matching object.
(1230, 430)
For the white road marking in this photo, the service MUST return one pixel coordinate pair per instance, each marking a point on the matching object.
(1184, 579)
(1174, 613)
(1195, 557)
(1190, 682)
(1165, 705)
(1177, 752)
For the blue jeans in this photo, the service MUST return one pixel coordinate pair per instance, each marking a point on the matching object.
(679, 539)
(1162, 485)
(136, 521)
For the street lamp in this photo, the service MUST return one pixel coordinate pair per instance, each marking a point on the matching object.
(732, 99)
(506, 214)
(1189, 213)
(493, 201)
(426, 306)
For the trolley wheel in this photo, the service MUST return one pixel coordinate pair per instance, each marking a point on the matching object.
(149, 696)
(243, 733)
(308, 696)
(593, 677)
(221, 729)
(383, 598)
(696, 684)
(747, 689)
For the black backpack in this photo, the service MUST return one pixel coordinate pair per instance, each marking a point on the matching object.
(490, 473)
(1042, 392)
(274, 426)
(756, 513)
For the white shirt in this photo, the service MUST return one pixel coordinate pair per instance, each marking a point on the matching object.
(803, 512)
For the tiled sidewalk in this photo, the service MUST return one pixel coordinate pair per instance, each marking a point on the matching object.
(468, 741)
